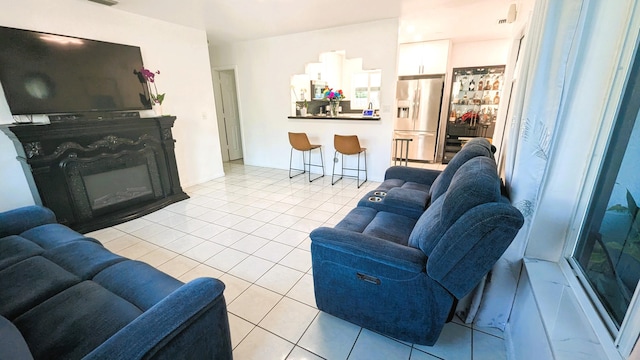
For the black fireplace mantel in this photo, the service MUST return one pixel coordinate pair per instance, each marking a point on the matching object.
(72, 167)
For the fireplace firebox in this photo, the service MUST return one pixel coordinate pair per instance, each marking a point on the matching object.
(98, 173)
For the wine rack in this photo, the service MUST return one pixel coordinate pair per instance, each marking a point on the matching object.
(475, 99)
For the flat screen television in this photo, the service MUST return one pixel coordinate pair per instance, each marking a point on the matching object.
(44, 73)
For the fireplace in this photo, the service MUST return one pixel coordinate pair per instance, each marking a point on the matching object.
(98, 173)
(109, 189)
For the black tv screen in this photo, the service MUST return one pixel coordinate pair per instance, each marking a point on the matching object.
(43, 73)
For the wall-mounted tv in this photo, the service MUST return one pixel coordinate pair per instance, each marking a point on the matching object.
(44, 73)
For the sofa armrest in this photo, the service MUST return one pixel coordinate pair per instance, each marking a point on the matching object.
(189, 323)
(410, 174)
(16, 221)
(472, 245)
(363, 246)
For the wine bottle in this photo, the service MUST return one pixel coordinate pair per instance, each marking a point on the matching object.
(487, 84)
(496, 99)
(472, 85)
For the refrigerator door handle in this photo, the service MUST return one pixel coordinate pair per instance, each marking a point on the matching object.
(416, 106)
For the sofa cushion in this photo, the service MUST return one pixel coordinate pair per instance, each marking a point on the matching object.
(12, 345)
(14, 249)
(398, 183)
(29, 283)
(476, 182)
(410, 185)
(15, 221)
(83, 258)
(52, 235)
(390, 227)
(74, 322)
(137, 282)
(477, 147)
(428, 229)
(390, 184)
(400, 200)
(357, 219)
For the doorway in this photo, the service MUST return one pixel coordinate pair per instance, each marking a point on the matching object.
(227, 113)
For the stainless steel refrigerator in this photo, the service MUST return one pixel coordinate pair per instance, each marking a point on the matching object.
(419, 100)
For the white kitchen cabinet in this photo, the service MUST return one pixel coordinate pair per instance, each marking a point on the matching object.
(429, 57)
(314, 70)
(332, 63)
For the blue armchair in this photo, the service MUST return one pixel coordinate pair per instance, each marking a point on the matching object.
(400, 276)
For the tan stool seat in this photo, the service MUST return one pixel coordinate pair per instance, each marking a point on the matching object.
(300, 142)
(349, 145)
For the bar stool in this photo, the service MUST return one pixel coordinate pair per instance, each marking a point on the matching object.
(349, 145)
(300, 142)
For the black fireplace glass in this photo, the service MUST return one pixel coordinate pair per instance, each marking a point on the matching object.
(109, 188)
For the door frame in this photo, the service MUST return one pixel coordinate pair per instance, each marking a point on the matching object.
(218, 103)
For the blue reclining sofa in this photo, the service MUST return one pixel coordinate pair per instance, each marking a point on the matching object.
(64, 296)
(387, 270)
(408, 191)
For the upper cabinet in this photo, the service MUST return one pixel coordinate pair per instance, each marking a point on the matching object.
(332, 63)
(429, 57)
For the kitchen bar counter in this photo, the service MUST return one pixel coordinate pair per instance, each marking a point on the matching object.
(355, 116)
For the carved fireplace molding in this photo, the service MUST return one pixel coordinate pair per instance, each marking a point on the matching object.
(58, 157)
(110, 142)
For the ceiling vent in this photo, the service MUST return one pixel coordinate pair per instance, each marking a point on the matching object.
(105, 2)
(511, 15)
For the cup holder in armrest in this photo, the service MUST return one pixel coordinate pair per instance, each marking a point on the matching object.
(379, 193)
(375, 198)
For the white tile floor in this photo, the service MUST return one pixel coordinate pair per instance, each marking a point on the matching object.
(250, 230)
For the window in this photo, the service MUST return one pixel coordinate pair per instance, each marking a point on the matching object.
(607, 254)
(366, 89)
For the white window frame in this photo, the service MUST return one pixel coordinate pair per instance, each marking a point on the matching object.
(624, 339)
(353, 87)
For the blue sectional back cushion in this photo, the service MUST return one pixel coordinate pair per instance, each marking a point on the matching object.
(478, 147)
(475, 183)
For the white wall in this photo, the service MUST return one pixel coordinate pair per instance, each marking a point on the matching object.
(264, 75)
(478, 53)
(180, 53)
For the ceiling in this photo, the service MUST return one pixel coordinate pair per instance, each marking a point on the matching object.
(227, 21)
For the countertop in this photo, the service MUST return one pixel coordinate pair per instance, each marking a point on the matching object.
(348, 116)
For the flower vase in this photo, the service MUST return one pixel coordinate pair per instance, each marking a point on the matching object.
(157, 108)
(333, 108)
